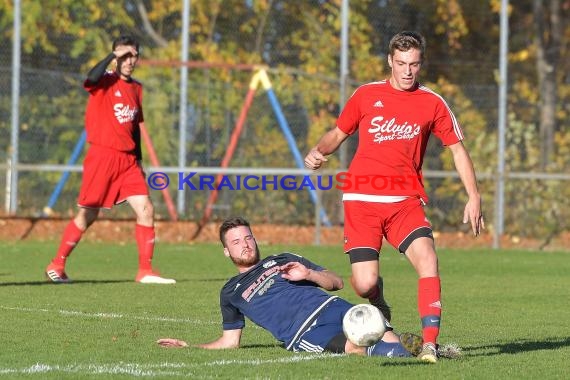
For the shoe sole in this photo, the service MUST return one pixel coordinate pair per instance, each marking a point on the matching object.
(412, 343)
(428, 358)
(428, 354)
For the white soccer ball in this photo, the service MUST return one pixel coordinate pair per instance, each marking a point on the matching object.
(363, 325)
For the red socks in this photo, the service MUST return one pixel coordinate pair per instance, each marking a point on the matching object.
(145, 243)
(71, 236)
(429, 306)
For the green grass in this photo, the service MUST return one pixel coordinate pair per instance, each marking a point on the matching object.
(508, 310)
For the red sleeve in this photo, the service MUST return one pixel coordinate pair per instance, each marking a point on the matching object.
(350, 116)
(446, 127)
(104, 82)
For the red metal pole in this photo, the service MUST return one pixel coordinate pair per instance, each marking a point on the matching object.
(154, 162)
(227, 157)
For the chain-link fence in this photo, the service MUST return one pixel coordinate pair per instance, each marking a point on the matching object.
(52, 103)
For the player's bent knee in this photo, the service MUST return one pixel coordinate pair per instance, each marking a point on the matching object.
(364, 264)
(363, 287)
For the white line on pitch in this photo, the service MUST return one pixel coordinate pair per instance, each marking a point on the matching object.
(159, 369)
(75, 313)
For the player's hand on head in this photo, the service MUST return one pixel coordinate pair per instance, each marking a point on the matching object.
(171, 343)
(314, 159)
(122, 50)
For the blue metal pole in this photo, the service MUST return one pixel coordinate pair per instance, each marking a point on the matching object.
(293, 146)
(59, 187)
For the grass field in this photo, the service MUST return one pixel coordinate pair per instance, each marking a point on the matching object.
(508, 310)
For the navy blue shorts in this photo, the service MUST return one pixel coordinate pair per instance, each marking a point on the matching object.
(327, 325)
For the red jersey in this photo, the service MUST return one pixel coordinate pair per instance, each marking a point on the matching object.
(394, 128)
(114, 111)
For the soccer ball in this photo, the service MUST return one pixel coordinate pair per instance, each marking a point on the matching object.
(363, 325)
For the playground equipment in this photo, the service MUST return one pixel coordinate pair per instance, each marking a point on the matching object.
(260, 77)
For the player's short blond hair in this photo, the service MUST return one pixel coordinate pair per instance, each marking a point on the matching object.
(407, 40)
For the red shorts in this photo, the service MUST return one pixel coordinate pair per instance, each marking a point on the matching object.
(109, 178)
(367, 223)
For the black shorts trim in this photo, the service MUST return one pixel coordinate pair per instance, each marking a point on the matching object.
(358, 255)
(420, 232)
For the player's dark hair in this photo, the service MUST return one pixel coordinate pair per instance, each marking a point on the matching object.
(230, 223)
(126, 40)
(407, 40)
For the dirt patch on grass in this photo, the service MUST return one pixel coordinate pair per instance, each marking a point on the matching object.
(122, 231)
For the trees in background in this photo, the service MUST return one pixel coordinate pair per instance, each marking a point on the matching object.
(300, 42)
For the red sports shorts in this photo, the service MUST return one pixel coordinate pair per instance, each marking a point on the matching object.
(109, 178)
(366, 224)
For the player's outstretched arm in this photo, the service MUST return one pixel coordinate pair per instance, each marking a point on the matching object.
(326, 279)
(295, 271)
(328, 144)
(171, 343)
(472, 213)
(229, 339)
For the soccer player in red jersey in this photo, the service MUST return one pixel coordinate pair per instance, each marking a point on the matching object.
(112, 170)
(383, 191)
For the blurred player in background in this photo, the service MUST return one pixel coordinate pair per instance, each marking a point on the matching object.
(282, 294)
(112, 170)
(384, 193)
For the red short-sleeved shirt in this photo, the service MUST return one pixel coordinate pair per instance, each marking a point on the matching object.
(114, 111)
(394, 127)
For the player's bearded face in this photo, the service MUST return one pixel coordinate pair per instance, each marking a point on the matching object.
(241, 247)
(246, 257)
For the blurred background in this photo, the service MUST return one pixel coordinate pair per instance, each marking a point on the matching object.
(502, 67)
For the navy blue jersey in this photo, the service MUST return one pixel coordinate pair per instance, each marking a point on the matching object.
(284, 308)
